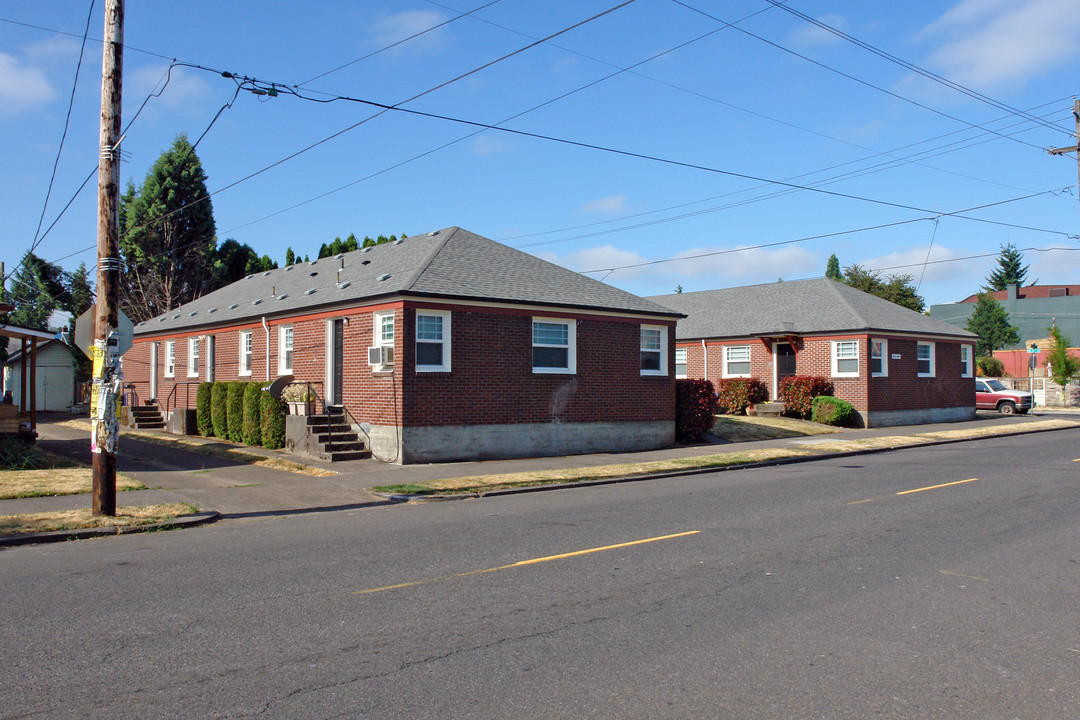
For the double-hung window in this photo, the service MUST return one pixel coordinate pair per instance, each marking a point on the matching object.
(965, 361)
(653, 350)
(285, 349)
(193, 357)
(432, 341)
(170, 358)
(384, 336)
(925, 359)
(879, 364)
(245, 352)
(845, 358)
(554, 345)
(680, 362)
(736, 361)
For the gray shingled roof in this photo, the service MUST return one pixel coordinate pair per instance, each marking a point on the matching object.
(799, 307)
(451, 263)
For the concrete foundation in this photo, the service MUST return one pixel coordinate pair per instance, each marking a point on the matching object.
(495, 442)
(887, 418)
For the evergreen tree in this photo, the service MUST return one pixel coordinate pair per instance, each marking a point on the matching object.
(167, 235)
(290, 257)
(832, 269)
(235, 262)
(37, 291)
(1010, 269)
(898, 289)
(990, 321)
(1063, 366)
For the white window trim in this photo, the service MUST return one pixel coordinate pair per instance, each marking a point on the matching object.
(170, 358)
(933, 354)
(377, 338)
(240, 369)
(749, 359)
(884, 357)
(685, 362)
(836, 359)
(283, 368)
(446, 337)
(969, 366)
(193, 356)
(663, 371)
(571, 347)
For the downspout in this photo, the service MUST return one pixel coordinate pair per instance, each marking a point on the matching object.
(705, 361)
(267, 329)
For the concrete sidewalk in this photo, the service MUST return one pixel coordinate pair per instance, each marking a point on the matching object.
(239, 490)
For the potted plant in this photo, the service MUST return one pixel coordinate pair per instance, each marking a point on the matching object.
(300, 398)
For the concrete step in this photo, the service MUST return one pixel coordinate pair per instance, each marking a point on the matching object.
(337, 456)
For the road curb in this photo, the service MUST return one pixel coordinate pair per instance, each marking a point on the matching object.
(52, 536)
(396, 498)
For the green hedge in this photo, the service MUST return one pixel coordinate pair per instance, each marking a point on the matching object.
(273, 421)
(830, 410)
(234, 412)
(737, 394)
(695, 408)
(202, 409)
(218, 409)
(252, 414)
(799, 392)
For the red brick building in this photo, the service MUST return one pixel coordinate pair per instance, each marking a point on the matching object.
(445, 346)
(894, 365)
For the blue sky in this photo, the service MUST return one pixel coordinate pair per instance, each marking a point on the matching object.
(650, 146)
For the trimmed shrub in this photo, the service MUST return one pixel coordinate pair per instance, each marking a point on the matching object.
(202, 409)
(989, 366)
(234, 412)
(737, 394)
(829, 410)
(218, 409)
(695, 408)
(272, 412)
(799, 392)
(252, 414)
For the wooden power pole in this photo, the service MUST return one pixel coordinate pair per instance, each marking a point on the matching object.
(1075, 148)
(106, 428)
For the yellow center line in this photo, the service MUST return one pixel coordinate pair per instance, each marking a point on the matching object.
(935, 487)
(532, 561)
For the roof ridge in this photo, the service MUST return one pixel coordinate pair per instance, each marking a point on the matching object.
(834, 287)
(432, 254)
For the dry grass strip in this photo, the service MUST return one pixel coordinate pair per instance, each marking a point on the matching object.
(79, 519)
(737, 428)
(888, 441)
(1011, 429)
(62, 481)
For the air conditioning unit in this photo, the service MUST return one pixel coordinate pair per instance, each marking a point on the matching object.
(380, 355)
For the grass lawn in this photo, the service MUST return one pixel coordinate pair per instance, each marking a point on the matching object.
(740, 428)
(78, 519)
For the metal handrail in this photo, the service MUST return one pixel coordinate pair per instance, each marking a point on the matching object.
(187, 395)
(350, 420)
(131, 395)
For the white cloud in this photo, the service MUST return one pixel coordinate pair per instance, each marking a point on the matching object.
(398, 27)
(490, 143)
(993, 43)
(612, 205)
(808, 34)
(184, 90)
(22, 87)
(911, 262)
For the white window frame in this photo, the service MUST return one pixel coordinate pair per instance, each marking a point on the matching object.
(193, 356)
(728, 361)
(286, 348)
(884, 372)
(380, 322)
(680, 359)
(444, 341)
(841, 350)
(571, 346)
(967, 360)
(647, 331)
(918, 346)
(170, 358)
(245, 346)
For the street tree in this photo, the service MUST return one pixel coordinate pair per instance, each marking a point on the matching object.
(990, 321)
(899, 289)
(1010, 269)
(167, 235)
(1063, 366)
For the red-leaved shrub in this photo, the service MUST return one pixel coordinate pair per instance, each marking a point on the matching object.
(799, 392)
(737, 394)
(695, 408)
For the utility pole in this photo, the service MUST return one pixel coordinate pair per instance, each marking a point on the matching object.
(1075, 148)
(106, 428)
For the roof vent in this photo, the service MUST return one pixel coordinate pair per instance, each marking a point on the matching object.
(141, 324)
(433, 233)
(266, 273)
(338, 257)
(310, 292)
(288, 268)
(256, 301)
(365, 262)
(176, 316)
(344, 285)
(384, 277)
(161, 319)
(234, 306)
(212, 310)
(367, 249)
(192, 313)
(282, 296)
(399, 241)
(315, 261)
(249, 277)
(312, 274)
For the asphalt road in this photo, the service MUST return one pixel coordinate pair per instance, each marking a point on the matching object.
(806, 591)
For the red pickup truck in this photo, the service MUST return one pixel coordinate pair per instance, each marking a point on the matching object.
(991, 394)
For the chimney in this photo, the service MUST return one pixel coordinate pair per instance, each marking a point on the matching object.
(1012, 291)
